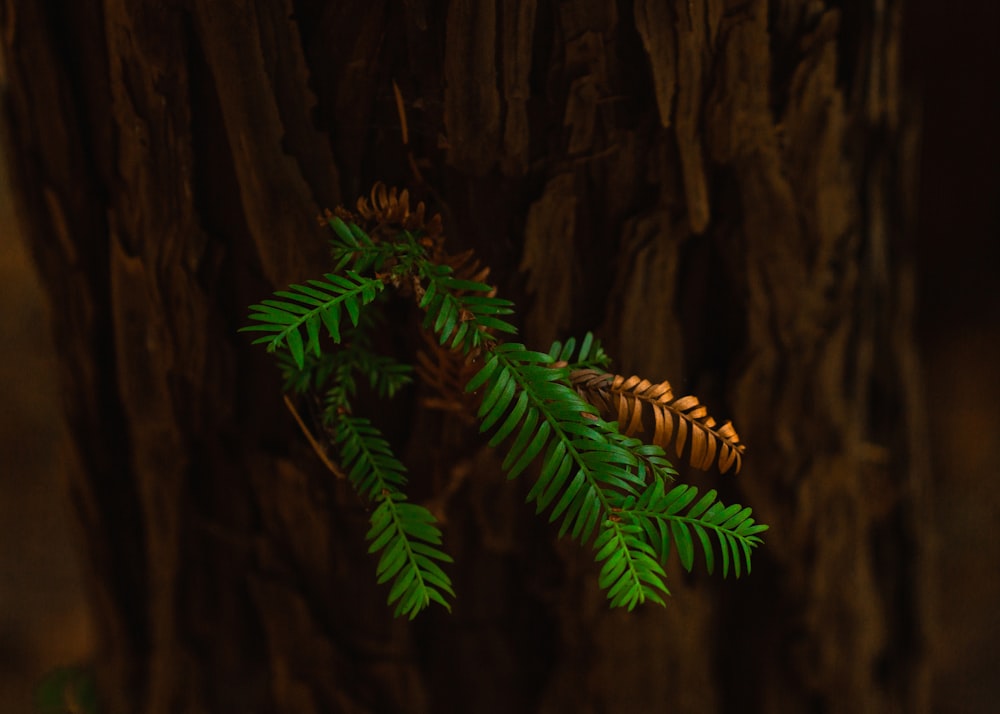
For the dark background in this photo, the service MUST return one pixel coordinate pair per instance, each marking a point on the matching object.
(951, 57)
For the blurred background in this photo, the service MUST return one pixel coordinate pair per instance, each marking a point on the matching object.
(44, 619)
(950, 60)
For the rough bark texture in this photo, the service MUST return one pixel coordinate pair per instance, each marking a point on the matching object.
(716, 187)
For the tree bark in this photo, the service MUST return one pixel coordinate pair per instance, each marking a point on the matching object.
(719, 189)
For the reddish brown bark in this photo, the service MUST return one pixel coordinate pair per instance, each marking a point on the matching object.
(715, 187)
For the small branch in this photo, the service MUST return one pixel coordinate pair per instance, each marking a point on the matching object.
(317, 447)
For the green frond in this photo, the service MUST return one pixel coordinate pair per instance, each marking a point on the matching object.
(386, 375)
(630, 572)
(598, 482)
(461, 312)
(406, 535)
(312, 376)
(529, 399)
(590, 355)
(338, 367)
(337, 398)
(352, 247)
(675, 519)
(354, 355)
(296, 319)
(366, 457)
(653, 461)
(404, 532)
(586, 466)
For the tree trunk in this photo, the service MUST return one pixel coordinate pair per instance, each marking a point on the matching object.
(715, 187)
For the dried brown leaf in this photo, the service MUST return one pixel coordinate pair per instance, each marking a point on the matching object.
(680, 421)
(387, 210)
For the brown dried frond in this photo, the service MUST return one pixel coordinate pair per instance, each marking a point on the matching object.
(467, 267)
(624, 399)
(447, 372)
(388, 207)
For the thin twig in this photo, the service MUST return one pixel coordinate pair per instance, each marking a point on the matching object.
(317, 447)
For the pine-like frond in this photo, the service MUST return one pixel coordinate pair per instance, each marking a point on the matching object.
(464, 314)
(297, 318)
(354, 356)
(384, 374)
(311, 376)
(652, 460)
(351, 246)
(683, 421)
(662, 516)
(404, 532)
(630, 573)
(407, 537)
(590, 355)
(585, 469)
(366, 457)
(445, 370)
(555, 410)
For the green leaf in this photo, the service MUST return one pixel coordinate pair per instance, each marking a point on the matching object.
(512, 420)
(523, 436)
(678, 498)
(480, 377)
(402, 583)
(295, 347)
(531, 451)
(498, 394)
(548, 484)
(342, 231)
(577, 489)
(706, 546)
(706, 500)
(739, 517)
(682, 539)
(724, 548)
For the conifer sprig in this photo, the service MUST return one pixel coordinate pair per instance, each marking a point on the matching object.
(587, 470)
(462, 313)
(296, 319)
(604, 487)
(662, 516)
(404, 532)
